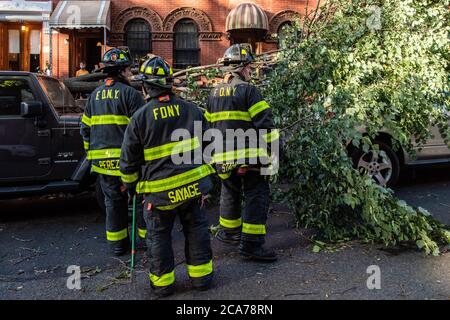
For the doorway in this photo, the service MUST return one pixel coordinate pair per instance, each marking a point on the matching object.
(93, 53)
(253, 36)
(15, 43)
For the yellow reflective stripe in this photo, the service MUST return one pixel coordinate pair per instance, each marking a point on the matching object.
(109, 119)
(200, 271)
(231, 224)
(160, 72)
(227, 115)
(171, 148)
(129, 178)
(169, 207)
(272, 135)
(108, 172)
(117, 236)
(239, 154)
(86, 120)
(257, 108)
(142, 233)
(224, 176)
(175, 181)
(86, 145)
(253, 228)
(103, 154)
(164, 280)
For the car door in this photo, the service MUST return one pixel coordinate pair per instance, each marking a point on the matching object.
(25, 143)
(435, 148)
(67, 143)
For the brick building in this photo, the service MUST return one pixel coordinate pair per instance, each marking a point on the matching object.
(21, 33)
(185, 32)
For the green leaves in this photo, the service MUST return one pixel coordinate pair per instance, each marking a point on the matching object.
(348, 79)
(392, 79)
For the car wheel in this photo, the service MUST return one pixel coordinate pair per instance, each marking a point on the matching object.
(383, 167)
(100, 196)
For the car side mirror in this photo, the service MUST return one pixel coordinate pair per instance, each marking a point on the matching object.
(31, 109)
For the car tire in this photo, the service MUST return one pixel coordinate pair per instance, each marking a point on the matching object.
(385, 171)
(100, 196)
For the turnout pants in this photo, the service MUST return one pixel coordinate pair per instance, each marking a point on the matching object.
(141, 228)
(116, 204)
(256, 192)
(197, 244)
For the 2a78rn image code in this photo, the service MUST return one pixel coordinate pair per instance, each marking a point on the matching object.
(231, 309)
(252, 309)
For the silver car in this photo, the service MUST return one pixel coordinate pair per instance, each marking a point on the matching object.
(384, 166)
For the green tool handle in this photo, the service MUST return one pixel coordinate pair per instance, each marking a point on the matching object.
(133, 235)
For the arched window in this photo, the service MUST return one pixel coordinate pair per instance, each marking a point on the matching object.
(283, 32)
(138, 38)
(186, 51)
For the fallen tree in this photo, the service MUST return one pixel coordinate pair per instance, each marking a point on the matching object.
(87, 83)
(376, 64)
(204, 77)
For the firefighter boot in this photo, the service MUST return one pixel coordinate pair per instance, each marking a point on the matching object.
(231, 238)
(256, 251)
(204, 283)
(162, 292)
(121, 247)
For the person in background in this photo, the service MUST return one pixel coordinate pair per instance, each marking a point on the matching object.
(82, 71)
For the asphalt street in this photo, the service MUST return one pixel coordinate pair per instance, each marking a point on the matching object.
(41, 237)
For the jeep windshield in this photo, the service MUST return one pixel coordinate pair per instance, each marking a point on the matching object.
(59, 96)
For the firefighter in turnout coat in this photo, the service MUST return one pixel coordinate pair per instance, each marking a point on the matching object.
(236, 104)
(170, 188)
(107, 114)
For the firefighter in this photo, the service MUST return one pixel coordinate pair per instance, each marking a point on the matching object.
(106, 116)
(170, 187)
(236, 104)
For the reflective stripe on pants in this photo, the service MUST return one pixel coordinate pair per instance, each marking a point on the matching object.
(255, 189)
(142, 233)
(164, 280)
(116, 235)
(231, 224)
(116, 209)
(159, 239)
(249, 228)
(200, 270)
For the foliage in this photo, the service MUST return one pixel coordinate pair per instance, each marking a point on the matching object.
(352, 69)
(371, 64)
(196, 90)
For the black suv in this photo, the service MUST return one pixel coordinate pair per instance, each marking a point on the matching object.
(41, 150)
